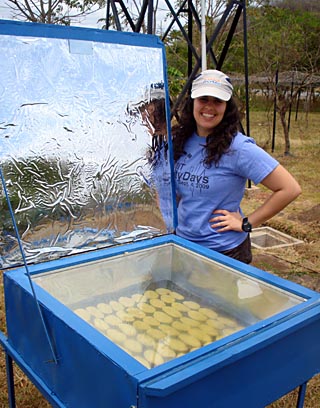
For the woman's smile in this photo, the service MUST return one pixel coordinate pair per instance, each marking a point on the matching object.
(208, 113)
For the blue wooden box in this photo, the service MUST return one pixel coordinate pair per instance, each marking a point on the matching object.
(248, 368)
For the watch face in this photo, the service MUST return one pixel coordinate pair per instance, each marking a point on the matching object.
(246, 226)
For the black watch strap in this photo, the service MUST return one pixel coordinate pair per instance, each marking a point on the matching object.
(246, 226)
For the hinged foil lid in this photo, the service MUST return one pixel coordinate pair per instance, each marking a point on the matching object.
(84, 147)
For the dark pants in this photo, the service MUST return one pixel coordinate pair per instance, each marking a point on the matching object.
(242, 252)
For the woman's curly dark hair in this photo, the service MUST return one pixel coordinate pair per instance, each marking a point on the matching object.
(217, 143)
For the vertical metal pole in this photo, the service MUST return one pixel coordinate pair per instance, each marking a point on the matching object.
(10, 381)
(15, 226)
(203, 36)
(246, 68)
(190, 34)
(246, 71)
(150, 17)
(107, 15)
(275, 110)
(302, 394)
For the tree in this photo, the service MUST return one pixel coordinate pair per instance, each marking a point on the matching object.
(305, 5)
(284, 40)
(61, 12)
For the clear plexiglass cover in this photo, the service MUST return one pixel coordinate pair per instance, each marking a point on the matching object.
(165, 301)
(81, 125)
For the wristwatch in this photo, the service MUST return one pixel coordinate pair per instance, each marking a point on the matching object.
(246, 226)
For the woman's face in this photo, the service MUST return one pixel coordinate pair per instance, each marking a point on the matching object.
(208, 113)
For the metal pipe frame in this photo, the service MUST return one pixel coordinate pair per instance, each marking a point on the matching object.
(233, 10)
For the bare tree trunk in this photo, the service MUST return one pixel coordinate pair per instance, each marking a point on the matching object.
(283, 107)
(285, 132)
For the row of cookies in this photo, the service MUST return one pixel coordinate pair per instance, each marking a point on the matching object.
(128, 310)
(161, 318)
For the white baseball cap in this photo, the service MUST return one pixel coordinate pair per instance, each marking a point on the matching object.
(212, 83)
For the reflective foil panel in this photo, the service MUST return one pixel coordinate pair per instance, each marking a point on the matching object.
(83, 146)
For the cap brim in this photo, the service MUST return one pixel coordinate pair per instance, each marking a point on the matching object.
(211, 91)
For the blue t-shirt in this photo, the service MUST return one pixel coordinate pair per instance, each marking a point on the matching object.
(202, 189)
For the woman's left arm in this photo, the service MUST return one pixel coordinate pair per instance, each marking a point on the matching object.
(284, 189)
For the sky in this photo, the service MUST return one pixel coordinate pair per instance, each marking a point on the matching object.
(3, 10)
(90, 21)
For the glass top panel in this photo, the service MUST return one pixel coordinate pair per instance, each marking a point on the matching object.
(163, 302)
(81, 122)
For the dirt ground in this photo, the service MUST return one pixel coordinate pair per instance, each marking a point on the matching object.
(297, 263)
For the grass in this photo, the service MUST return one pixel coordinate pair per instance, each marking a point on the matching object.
(300, 219)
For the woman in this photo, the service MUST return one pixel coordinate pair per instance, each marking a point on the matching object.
(213, 161)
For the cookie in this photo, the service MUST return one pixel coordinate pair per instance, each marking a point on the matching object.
(116, 336)
(150, 294)
(177, 345)
(200, 335)
(116, 306)
(126, 301)
(162, 317)
(156, 333)
(163, 291)
(125, 317)
(153, 357)
(189, 322)
(135, 312)
(137, 297)
(227, 321)
(157, 303)
(189, 340)
(104, 308)
(180, 307)
(217, 324)
(128, 329)
(191, 305)
(151, 321)
(84, 314)
(146, 308)
(146, 340)
(170, 310)
(211, 331)
(208, 312)
(176, 295)
(168, 299)
(133, 346)
(94, 312)
(168, 330)
(143, 361)
(165, 351)
(141, 326)
(112, 320)
(178, 325)
(100, 325)
(195, 315)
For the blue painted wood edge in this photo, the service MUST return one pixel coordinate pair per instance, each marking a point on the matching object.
(10, 27)
(204, 365)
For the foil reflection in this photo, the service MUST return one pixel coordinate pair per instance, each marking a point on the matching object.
(78, 130)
